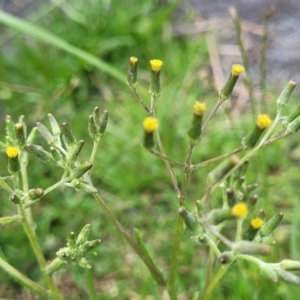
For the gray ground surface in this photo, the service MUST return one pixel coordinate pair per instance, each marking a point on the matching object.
(283, 59)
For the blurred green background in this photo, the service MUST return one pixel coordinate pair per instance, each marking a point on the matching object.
(37, 78)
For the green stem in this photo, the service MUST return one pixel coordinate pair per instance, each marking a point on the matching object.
(39, 255)
(214, 282)
(152, 268)
(90, 284)
(172, 287)
(25, 281)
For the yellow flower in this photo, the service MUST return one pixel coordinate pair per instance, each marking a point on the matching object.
(256, 223)
(263, 121)
(236, 70)
(12, 151)
(156, 65)
(150, 124)
(133, 60)
(240, 210)
(199, 108)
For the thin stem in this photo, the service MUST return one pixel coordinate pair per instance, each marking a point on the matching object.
(172, 287)
(152, 268)
(90, 284)
(212, 113)
(140, 99)
(217, 158)
(239, 229)
(214, 282)
(158, 154)
(39, 255)
(95, 147)
(25, 281)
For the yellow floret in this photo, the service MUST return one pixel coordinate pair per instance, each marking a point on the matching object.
(156, 64)
(199, 108)
(263, 121)
(236, 70)
(150, 124)
(133, 60)
(12, 151)
(256, 223)
(240, 210)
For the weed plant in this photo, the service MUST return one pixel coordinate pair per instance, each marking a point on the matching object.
(226, 231)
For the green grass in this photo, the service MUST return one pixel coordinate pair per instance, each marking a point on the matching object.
(41, 73)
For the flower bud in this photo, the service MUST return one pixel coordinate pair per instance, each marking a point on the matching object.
(285, 95)
(263, 122)
(231, 197)
(247, 247)
(132, 71)
(81, 170)
(226, 257)
(271, 224)
(56, 155)
(288, 277)
(13, 159)
(68, 134)
(46, 134)
(10, 129)
(14, 198)
(150, 125)
(71, 242)
(219, 215)
(83, 235)
(103, 122)
(196, 126)
(154, 89)
(226, 91)
(74, 152)
(55, 128)
(20, 134)
(190, 220)
(268, 271)
(222, 169)
(290, 265)
(252, 230)
(32, 135)
(39, 152)
(93, 132)
(83, 187)
(293, 126)
(35, 193)
(291, 117)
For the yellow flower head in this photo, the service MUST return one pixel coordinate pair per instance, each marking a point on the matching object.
(12, 151)
(156, 64)
(263, 121)
(199, 108)
(133, 60)
(150, 124)
(240, 210)
(236, 70)
(256, 223)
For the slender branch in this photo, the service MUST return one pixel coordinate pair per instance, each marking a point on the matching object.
(25, 281)
(158, 154)
(152, 268)
(212, 113)
(217, 158)
(146, 108)
(90, 284)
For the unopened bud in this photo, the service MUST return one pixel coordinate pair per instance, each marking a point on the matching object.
(154, 89)
(285, 94)
(268, 271)
(39, 152)
(190, 220)
(132, 71)
(271, 224)
(68, 134)
(20, 134)
(81, 170)
(247, 247)
(226, 91)
(226, 257)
